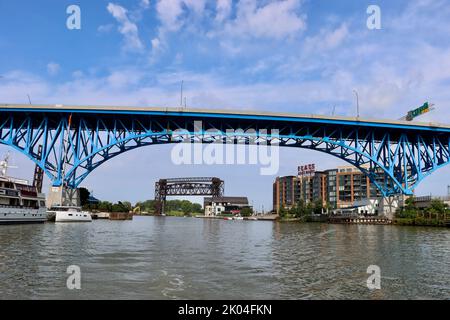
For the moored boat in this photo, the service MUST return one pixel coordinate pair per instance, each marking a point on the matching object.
(69, 214)
(20, 202)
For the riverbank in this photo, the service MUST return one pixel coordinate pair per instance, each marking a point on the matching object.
(168, 214)
(418, 222)
(269, 217)
(421, 222)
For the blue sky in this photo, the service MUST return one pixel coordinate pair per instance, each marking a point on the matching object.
(295, 55)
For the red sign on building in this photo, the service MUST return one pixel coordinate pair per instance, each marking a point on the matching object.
(307, 169)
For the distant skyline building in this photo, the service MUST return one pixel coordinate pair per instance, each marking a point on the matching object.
(339, 188)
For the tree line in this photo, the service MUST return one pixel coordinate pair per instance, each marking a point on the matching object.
(302, 209)
(436, 209)
(435, 214)
(172, 206)
(182, 206)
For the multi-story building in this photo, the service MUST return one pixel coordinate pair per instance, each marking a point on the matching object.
(337, 188)
(353, 185)
(285, 192)
(331, 188)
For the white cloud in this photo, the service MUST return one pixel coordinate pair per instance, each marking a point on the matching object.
(230, 47)
(169, 12)
(276, 19)
(127, 28)
(173, 14)
(335, 38)
(105, 28)
(124, 78)
(327, 39)
(156, 44)
(223, 9)
(77, 74)
(178, 58)
(145, 4)
(53, 68)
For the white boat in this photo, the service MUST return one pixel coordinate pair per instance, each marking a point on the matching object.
(238, 218)
(20, 202)
(69, 214)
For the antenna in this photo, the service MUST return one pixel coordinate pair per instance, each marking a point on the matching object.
(29, 100)
(334, 109)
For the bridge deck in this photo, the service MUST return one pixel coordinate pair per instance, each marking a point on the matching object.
(235, 114)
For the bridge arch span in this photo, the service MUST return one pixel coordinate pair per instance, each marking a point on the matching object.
(77, 140)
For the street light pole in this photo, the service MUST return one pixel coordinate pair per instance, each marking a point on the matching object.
(181, 93)
(357, 103)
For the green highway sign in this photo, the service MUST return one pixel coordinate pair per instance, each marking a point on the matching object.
(417, 112)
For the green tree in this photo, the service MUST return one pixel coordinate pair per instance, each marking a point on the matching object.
(300, 209)
(105, 206)
(197, 208)
(309, 209)
(246, 212)
(318, 206)
(84, 195)
(437, 206)
(410, 203)
(186, 206)
(127, 206)
(148, 205)
(282, 212)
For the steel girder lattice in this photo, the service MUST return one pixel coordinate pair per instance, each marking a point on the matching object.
(403, 156)
(195, 186)
(188, 187)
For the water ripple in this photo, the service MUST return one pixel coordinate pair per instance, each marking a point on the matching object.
(188, 258)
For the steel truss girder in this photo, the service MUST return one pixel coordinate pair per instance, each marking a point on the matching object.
(186, 187)
(403, 159)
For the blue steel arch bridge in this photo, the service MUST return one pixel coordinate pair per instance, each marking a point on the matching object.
(69, 142)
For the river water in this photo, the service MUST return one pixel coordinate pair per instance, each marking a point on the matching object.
(191, 258)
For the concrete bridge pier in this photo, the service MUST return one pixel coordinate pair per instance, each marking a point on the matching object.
(63, 196)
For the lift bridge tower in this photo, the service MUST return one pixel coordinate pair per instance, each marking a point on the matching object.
(200, 186)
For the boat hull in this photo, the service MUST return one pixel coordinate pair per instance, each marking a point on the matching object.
(67, 216)
(11, 215)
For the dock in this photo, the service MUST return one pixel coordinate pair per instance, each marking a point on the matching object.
(121, 216)
(360, 220)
